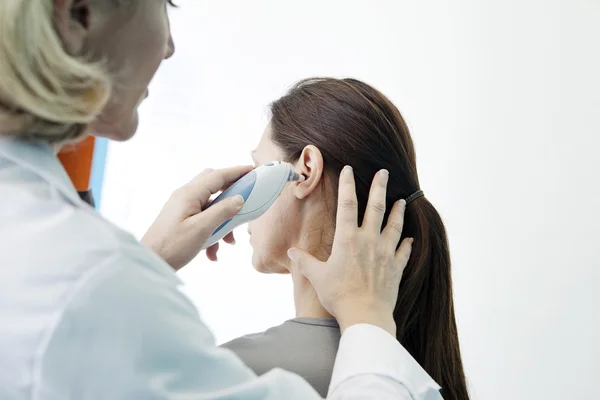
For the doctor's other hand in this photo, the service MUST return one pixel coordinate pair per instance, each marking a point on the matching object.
(359, 282)
(182, 226)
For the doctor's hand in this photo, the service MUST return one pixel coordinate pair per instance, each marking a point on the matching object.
(182, 227)
(359, 282)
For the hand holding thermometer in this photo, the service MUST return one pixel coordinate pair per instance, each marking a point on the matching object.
(259, 188)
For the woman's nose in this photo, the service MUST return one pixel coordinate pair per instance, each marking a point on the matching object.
(170, 48)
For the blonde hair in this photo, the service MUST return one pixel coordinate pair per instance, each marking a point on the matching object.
(45, 93)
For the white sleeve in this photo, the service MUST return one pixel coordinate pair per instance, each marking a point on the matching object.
(129, 332)
(372, 364)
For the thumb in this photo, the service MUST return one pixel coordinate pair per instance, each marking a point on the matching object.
(306, 263)
(211, 218)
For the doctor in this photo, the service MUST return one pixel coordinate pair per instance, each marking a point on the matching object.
(87, 312)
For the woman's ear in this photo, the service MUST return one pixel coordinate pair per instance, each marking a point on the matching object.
(310, 164)
(72, 19)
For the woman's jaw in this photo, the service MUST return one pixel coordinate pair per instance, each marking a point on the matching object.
(290, 222)
(313, 232)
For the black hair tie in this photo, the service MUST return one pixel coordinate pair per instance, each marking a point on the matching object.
(414, 196)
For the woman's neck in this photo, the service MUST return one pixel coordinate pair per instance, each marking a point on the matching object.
(305, 297)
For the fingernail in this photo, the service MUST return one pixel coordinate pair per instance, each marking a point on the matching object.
(347, 168)
(385, 174)
(292, 255)
(403, 202)
(207, 170)
(411, 241)
(237, 201)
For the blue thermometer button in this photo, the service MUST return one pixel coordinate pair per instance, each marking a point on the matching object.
(243, 187)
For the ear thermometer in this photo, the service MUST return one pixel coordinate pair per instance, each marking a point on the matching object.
(259, 188)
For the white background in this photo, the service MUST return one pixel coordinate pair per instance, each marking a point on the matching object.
(503, 101)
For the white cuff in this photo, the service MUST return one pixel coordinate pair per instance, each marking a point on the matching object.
(369, 350)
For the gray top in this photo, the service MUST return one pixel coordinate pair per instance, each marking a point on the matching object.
(306, 346)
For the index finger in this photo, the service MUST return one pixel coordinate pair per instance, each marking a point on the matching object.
(347, 212)
(208, 183)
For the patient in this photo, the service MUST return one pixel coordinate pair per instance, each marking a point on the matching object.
(320, 126)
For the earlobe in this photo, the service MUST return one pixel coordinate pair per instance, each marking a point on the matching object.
(310, 164)
(72, 20)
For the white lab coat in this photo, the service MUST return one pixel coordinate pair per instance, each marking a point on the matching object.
(86, 312)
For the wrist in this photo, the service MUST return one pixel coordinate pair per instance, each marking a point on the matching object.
(147, 241)
(352, 312)
(156, 248)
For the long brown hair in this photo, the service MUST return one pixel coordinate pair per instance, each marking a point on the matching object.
(352, 123)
